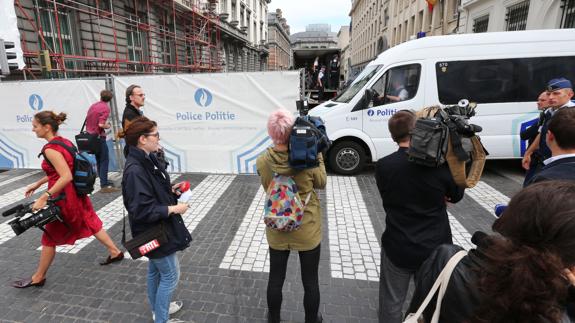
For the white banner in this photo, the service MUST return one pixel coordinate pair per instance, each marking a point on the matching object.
(213, 123)
(9, 29)
(19, 146)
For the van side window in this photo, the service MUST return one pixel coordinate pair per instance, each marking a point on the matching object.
(397, 84)
(499, 80)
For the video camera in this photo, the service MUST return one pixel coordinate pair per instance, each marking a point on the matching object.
(38, 219)
(458, 115)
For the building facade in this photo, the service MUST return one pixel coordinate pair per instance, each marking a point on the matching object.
(278, 42)
(244, 37)
(496, 15)
(380, 24)
(345, 60)
(92, 38)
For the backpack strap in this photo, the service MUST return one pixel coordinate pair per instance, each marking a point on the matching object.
(72, 150)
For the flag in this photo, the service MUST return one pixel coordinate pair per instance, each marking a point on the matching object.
(430, 4)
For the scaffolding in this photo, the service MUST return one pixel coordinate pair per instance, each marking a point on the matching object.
(62, 38)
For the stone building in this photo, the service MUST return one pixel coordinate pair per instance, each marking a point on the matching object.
(278, 42)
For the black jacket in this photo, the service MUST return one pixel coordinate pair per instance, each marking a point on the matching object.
(130, 113)
(147, 193)
(462, 296)
(413, 197)
(560, 169)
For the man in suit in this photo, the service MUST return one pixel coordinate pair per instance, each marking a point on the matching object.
(414, 198)
(561, 141)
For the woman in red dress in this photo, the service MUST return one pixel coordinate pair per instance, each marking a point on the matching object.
(77, 211)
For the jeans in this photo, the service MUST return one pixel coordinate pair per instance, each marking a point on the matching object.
(163, 275)
(393, 286)
(309, 261)
(102, 161)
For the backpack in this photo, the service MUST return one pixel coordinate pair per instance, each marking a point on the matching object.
(84, 171)
(284, 208)
(307, 139)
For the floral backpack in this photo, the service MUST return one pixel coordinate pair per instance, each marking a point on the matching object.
(284, 208)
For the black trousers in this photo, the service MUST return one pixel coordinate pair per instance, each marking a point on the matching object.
(309, 261)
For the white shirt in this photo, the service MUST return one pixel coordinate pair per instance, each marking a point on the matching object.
(555, 158)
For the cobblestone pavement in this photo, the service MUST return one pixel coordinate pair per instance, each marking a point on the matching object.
(224, 272)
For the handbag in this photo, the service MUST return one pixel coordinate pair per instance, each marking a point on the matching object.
(440, 283)
(146, 241)
(89, 142)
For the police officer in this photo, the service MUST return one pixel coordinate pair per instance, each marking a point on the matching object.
(560, 92)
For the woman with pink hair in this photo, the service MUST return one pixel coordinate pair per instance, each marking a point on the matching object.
(306, 240)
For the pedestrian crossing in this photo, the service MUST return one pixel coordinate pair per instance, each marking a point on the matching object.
(353, 228)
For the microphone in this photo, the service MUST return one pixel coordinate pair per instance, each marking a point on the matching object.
(13, 209)
(185, 193)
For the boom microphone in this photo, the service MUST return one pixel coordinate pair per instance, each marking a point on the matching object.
(13, 209)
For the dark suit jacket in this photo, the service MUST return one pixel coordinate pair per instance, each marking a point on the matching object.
(560, 169)
(414, 201)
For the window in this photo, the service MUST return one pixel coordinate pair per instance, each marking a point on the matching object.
(397, 84)
(480, 24)
(501, 80)
(516, 16)
(135, 39)
(47, 19)
(358, 84)
(568, 17)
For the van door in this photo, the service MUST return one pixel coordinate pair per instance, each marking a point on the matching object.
(398, 88)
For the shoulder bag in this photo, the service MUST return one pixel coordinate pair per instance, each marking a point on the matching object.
(440, 283)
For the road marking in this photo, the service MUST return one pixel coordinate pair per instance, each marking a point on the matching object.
(249, 248)
(110, 214)
(353, 247)
(460, 235)
(487, 196)
(17, 178)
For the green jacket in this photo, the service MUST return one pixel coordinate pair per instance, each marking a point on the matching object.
(309, 234)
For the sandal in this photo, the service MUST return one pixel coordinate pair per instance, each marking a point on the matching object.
(27, 282)
(110, 260)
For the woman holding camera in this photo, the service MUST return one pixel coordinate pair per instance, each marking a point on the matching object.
(151, 201)
(81, 221)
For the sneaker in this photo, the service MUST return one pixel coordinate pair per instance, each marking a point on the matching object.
(175, 306)
(109, 189)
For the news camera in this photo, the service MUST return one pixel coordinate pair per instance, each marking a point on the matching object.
(25, 218)
(458, 115)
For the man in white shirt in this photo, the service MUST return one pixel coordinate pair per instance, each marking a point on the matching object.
(561, 141)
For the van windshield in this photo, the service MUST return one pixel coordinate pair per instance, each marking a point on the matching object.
(358, 84)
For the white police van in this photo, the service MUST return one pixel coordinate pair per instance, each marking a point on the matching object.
(503, 72)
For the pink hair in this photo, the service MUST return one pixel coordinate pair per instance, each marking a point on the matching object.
(280, 124)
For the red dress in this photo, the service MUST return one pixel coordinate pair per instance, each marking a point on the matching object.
(77, 211)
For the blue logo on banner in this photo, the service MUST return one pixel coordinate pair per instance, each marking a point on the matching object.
(203, 97)
(370, 112)
(35, 102)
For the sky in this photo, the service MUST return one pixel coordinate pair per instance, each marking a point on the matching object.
(300, 13)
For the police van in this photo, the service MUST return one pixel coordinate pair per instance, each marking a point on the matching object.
(504, 72)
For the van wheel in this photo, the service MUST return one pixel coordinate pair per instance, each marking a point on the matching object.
(347, 158)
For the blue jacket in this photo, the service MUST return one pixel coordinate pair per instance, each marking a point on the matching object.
(561, 169)
(147, 192)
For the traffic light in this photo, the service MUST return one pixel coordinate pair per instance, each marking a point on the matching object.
(5, 56)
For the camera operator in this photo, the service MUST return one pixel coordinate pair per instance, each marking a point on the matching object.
(77, 211)
(414, 198)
